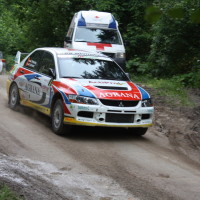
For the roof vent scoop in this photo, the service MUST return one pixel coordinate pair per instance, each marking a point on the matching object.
(111, 88)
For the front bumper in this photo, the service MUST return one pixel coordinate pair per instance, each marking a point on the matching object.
(109, 116)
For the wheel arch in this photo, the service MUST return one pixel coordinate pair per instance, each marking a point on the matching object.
(54, 99)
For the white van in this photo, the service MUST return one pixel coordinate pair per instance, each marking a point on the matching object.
(96, 31)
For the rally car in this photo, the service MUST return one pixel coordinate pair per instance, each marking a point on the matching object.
(79, 88)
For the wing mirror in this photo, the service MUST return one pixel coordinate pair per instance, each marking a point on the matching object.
(52, 73)
(68, 39)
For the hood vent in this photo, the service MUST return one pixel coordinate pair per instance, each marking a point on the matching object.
(112, 88)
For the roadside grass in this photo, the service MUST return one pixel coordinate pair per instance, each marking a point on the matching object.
(171, 88)
(7, 194)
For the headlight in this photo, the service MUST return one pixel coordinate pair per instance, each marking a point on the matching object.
(83, 100)
(120, 55)
(147, 103)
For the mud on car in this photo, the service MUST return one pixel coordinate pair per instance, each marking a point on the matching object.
(79, 88)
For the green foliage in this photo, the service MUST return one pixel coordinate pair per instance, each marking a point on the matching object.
(171, 89)
(12, 37)
(152, 14)
(176, 42)
(10, 61)
(7, 194)
(137, 66)
(163, 35)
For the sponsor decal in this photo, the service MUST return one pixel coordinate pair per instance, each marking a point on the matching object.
(146, 121)
(32, 89)
(106, 82)
(83, 108)
(45, 88)
(72, 107)
(150, 110)
(119, 94)
(85, 120)
(30, 63)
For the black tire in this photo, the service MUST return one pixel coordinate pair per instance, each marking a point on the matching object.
(14, 96)
(57, 118)
(137, 131)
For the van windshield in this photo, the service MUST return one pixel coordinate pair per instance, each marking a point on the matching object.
(95, 35)
(90, 69)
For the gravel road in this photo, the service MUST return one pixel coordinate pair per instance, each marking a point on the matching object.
(92, 163)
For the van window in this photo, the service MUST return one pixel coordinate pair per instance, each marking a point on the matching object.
(95, 35)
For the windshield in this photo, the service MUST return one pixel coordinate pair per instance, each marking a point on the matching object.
(90, 69)
(95, 35)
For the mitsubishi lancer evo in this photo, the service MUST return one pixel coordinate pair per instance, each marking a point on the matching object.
(79, 88)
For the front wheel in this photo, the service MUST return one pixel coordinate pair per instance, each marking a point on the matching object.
(13, 96)
(57, 118)
(137, 131)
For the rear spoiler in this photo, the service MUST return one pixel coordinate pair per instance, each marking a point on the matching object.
(19, 56)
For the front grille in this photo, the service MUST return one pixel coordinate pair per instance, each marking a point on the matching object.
(145, 116)
(85, 114)
(111, 88)
(119, 103)
(111, 55)
(119, 118)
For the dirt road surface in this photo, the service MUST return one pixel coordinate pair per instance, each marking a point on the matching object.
(92, 163)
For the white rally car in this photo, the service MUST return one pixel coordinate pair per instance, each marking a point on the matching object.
(79, 88)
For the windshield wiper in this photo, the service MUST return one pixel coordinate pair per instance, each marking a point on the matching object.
(81, 41)
(70, 77)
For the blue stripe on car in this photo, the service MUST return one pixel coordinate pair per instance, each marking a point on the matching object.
(65, 97)
(31, 76)
(83, 91)
(145, 95)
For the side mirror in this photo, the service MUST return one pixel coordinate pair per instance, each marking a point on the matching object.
(52, 73)
(68, 39)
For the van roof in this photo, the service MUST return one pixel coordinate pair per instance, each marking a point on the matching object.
(96, 18)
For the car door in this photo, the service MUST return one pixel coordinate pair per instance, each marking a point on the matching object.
(46, 64)
(28, 77)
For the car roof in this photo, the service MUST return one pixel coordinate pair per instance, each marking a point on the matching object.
(66, 51)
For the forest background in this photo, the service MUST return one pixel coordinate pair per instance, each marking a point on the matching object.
(163, 35)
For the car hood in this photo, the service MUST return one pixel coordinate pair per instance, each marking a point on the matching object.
(103, 89)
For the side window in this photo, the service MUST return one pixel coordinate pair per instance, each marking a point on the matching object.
(70, 33)
(71, 27)
(34, 60)
(47, 63)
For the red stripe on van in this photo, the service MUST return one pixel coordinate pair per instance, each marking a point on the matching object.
(99, 46)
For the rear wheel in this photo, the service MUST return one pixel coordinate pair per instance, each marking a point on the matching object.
(137, 131)
(57, 118)
(13, 96)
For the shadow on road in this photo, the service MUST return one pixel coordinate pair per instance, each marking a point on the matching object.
(103, 134)
(84, 133)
